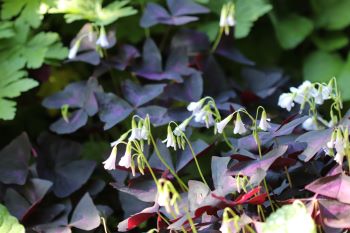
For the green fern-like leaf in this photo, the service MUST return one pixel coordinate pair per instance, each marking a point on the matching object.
(93, 11)
(13, 82)
(8, 223)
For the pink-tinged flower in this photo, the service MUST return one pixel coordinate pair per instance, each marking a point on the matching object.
(286, 101)
(239, 126)
(109, 164)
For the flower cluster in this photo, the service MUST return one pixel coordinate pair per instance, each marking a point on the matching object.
(138, 133)
(168, 196)
(101, 41)
(307, 92)
(340, 143)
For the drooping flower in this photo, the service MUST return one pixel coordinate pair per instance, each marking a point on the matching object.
(102, 39)
(227, 17)
(125, 161)
(286, 101)
(109, 163)
(180, 129)
(263, 124)
(135, 134)
(310, 124)
(195, 107)
(222, 124)
(239, 126)
(205, 115)
(170, 139)
(228, 226)
(339, 145)
(303, 92)
(74, 50)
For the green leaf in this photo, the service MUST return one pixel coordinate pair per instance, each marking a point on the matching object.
(344, 79)
(247, 12)
(321, 66)
(6, 29)
(93, 11)
(290, 218)
(31, 51)
(331, 42)
(8, 223)
(292, 30)
(332, 14)
(12, 84)
(26, 10)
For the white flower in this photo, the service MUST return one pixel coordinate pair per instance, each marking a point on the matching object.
(195, 106)
(204, 116)
(170, 139)
(339, 157)
(102, 39)
(286, 101)
(239, 126)
(135, 134)
(303, 92)
(109, 164)
(144, 132)
(125, 161)
(330, 144)
(230, 21)
(222, 124)
(74, 50)
(263, 124)
(180, 129)
(326, 92)
(310, 124)
(228, 226)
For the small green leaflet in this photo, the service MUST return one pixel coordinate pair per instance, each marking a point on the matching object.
(8, 223)
(93, 11)
(12, 84)
(26, 10)
(247, 12)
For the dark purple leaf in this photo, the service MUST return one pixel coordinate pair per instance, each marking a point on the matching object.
(337, 187)
(249, 168)
(85, 215)
(112, 109)
(215, 81)
(154, 160)
(151, 57)
(158, 115)
(190, 90)
(178, 62)
(144, 190)
(139, 95)
(185, 7)
(226, 49)
(58, 161)
(14, 161)
(335, 214)
(315, 140)
(90, 57)
(193, 41)
(185, 157)
(179, 9)
(125, 55)
(218, 170)
(21, 203)
(76, 120)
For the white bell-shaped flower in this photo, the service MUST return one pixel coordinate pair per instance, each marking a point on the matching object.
(102, 40)
(109, 164)
(263, 124)
(180, 129)
(125, 161)
(286, 101)
(222, 124)
(74, 50)
(195, 106)
(228, 226)
(239, 126)
(310, 124)
(170, 139)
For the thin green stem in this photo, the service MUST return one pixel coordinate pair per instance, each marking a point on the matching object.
(217, 40)
(195, 159)
(227, 141)
(181, 183)
(190, 221)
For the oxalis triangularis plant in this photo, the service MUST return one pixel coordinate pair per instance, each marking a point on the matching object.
(245, 187)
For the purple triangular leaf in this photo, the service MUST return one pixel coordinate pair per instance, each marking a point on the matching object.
(152, 14)
(185, 7)
(14, 161)
(76, 120)
(158, 115)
